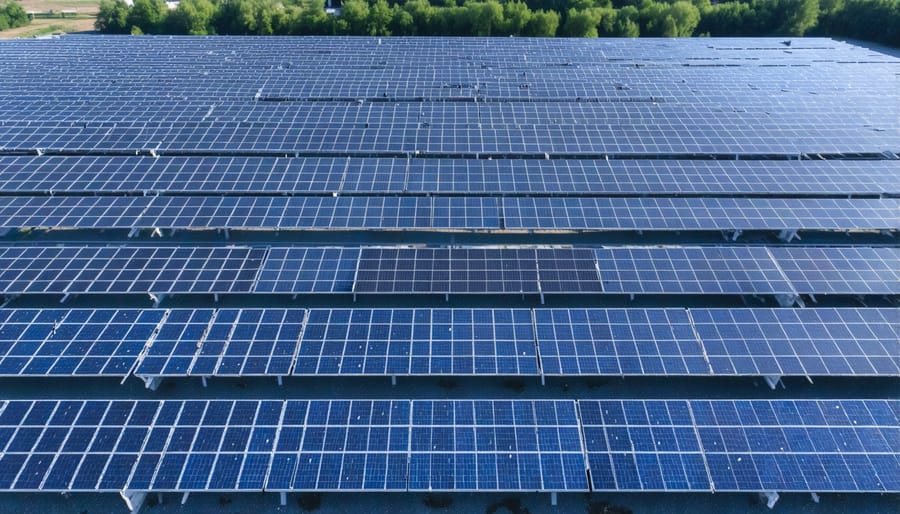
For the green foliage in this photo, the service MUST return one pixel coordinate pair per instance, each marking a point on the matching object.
(582, 23)
(112, 17)
(678, 19)
(877, 20)
(148, 15)
(542, 24)
(192, 17)
(12, 16)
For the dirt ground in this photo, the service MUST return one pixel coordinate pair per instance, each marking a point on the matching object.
(84, 21)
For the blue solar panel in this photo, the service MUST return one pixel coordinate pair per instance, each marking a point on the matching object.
(57, 342)
(464, 445)
(89, 174)
(800, 341)
(417, 342)
(857, 270)
(708, 270)
(618, 342)
(308, 270)
(608, 214)
(341, 445)
(84, 269)
(225, 342)
(727, 445)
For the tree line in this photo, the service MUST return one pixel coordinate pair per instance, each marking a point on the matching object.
(875, 20)
(12, 15)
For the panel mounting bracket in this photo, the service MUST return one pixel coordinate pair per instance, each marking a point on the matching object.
(772, 381)
(771, 498)
(134, 500)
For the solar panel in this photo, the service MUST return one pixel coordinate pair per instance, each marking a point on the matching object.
(417, 342)
(465, 445)
(857, 270)
(568, 270)
(173, 349)
(332, 445)
(596, 214)
(225, 342)
(90, 174)
(446, 270)
(308, 270)
(707, 270)
(57, 342)
(746, 445)
(618, 342)
(807, 342)
(84, 269)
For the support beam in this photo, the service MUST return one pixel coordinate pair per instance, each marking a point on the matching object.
(773, 381)
(282, 498)
(151, 383)
(134, 500)
(184, 497)
(156, 233)
(815, 497)
(787, 235)
(393, 380)
(203, 380)
(553, 498)
(788, 300)
(736, 234)
(771, 498)
(280, 380)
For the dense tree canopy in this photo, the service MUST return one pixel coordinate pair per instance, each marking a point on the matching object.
(877, 20)
(12, 15)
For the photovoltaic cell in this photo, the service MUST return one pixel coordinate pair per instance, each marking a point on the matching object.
(308, 270)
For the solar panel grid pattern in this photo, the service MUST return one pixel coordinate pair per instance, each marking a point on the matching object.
(743, 445)
(128, 269)
(807, 342)
(210, 175)
(83, 342)
(859, 270)
(708, 270)
(318, 134)
(417, 342)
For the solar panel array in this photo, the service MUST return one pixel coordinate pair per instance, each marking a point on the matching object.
(449, 445)
(457, 208)
(449, 342)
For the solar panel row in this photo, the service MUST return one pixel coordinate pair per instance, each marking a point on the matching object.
(210, 175)
(450, 445)
(454, 213)
(385, 342)
(506, 270)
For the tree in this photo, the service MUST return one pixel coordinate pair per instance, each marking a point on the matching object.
(112, 17)
(582, 23)
(402, 23)
(422, 14)
(354, 19)
(542, 24)
(484, 18)
(192, 17)
(148, 15)
(516, 16)
(380, 16)
(13, 15)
